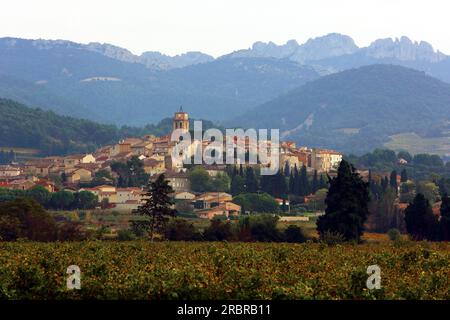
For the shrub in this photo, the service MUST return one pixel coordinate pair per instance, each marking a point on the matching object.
(262, 227)
(125, 235)
(332, 238)
(394, 234)
(181, 230)
(71, 231)
(218, 230)
(294, 234)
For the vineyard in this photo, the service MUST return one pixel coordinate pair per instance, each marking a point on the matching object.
(178, 270)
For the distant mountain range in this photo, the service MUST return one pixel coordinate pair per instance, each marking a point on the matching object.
(109, 84)
(359, 109)
(115, 91)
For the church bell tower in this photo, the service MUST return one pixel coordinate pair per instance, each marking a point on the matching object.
(181, 121)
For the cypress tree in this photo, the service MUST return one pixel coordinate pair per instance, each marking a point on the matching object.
(393, 181)
(281, 189)
(304, 188)
(296, 183)
(384, 184)
(237, 185)
(445, 218)
(291, 183)
(322, 183)
(315, 183)
(419, 219)
(347, 204)
(404, 176)
(287, 169)
(250, 180)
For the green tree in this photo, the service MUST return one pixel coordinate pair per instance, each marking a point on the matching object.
(429, 189)
(255, 202)
(220, 183)
(62, 200)
(156, 207)
(405, 155)
(131, 173)
(407, 191)
(26, 218)
(199, 179)
(40, 194)
(85, 200)
(347, 204)
(237, 185)
(419, 219)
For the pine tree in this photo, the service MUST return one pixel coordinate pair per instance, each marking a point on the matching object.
(404, 176)
(156, 207)
(347, 204)
(445, 218)
(419, 219)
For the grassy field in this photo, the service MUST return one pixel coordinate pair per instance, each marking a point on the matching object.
(416, 144)
(180, 270)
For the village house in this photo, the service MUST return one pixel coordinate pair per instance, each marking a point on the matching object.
(153, 166)
(225, 209)
(8, 171)
(179, 181)
(325, 160)
(214, 170)
(291, 159)
(47, 184)
(142, 148)
(104, 192)
(21, 184)
(78, 175)
(184, 195)
(73, 160)
(211, 199)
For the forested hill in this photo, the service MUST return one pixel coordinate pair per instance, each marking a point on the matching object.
(358, 110)
(52, 134)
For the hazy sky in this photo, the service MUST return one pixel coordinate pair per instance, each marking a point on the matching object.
(221, 26)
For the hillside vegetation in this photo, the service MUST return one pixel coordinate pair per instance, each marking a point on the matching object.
(52, 134)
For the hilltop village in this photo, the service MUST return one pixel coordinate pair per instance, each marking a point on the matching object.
(99, 172)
